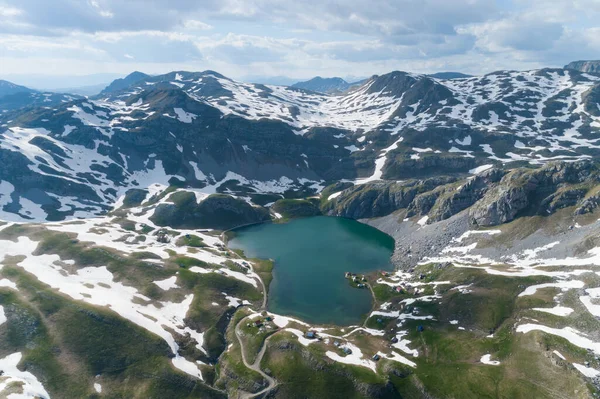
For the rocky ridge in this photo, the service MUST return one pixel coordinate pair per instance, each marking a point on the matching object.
(584, 66)
(493, 197)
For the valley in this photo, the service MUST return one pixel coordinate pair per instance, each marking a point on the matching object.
(469, 204)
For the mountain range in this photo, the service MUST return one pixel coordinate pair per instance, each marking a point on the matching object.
(116, 279)
(211, 128)
(339, 85)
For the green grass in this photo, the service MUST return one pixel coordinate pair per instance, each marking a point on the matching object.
(296, 208)
(146, 229)
(264, 269)
(159, 196)
(83, 334)
(304, 373)
(334, 188)
(448, 365)
(191, 241)
(372, 322)
(186, 262)
(208, 288)
(254, 339)
(67, 343)
(383, 293)
(127, 269)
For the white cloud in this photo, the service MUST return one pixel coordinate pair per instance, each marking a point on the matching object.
(300, 39)
(101, 11)
(9, 11)
(193, 24)
(515, 33)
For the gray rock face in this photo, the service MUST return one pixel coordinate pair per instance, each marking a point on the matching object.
(423, 203)
(588, 205)
(403, 166)
(456, 200)
(380, 199)
(491, 198)
(541, 191)
(584, 66)
(500, 205)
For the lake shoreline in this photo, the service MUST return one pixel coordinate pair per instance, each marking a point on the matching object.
(341, 245)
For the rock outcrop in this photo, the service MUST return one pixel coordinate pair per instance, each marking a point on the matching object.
(380, 198)
(584, 66)
(454, 200)
(294, 208)
(217, 211)
(492, 197)
(539, 191)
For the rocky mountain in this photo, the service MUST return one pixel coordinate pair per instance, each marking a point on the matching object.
(494, 196)
(584, 66)
(8, 88)
(324, 85)
(24, 100)
(15, 97)
(450, 75)
(123, 83)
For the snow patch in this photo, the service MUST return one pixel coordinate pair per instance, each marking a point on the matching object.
(183, 116)
(167, 284)
(30, 387)
(486, 359)
(586, 371)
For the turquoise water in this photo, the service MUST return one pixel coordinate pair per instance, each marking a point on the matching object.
(311, 256)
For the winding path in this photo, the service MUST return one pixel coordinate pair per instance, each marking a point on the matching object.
(372, 307)
(264, 289)
(254, 366)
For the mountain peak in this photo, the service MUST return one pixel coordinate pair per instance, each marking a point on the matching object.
(450, 75)
(319, 84)
(125, 82)
(8, 88)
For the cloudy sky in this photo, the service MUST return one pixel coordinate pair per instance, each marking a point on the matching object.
(299, 39)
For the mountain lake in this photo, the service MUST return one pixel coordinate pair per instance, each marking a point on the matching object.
(311, 257)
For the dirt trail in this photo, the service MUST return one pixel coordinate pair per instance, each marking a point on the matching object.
(254, 366)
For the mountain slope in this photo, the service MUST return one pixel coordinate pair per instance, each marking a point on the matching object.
(23, 100)
(8, 88)
(118, 305)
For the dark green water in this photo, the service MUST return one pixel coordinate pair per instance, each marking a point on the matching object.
(311, 256)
